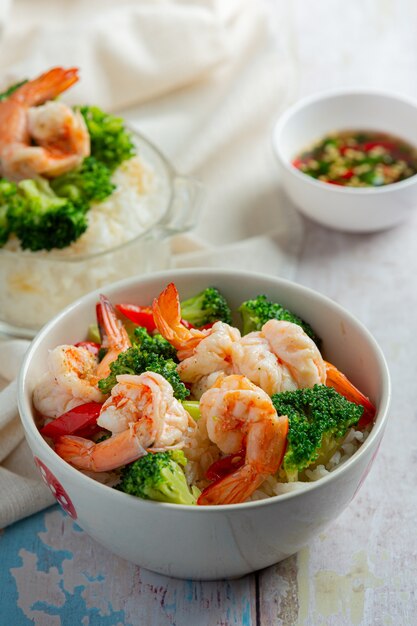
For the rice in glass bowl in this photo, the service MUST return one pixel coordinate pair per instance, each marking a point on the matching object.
(128, 234)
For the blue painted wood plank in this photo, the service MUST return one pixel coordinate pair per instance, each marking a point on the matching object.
(53, 573)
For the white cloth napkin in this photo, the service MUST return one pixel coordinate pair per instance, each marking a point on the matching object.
(205, 81)
(21, 488)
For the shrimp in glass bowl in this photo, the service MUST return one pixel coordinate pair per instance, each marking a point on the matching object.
(29, 115)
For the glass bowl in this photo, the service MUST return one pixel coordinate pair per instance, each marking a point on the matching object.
(34, 286)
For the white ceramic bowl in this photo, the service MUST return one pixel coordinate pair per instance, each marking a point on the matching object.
(362, 209)
(214, 541)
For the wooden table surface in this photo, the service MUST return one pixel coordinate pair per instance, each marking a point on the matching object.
(363, 569)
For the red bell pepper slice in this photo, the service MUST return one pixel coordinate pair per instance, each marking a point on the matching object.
(81, 420)
(143, 316)
(348, 175)
(226, 465)
(140, 315)
(91, 346)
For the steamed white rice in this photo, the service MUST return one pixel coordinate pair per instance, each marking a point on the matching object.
(201, 453)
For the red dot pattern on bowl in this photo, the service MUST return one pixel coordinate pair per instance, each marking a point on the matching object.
(57, 489)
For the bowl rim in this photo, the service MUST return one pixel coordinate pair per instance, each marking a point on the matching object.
(29, 426)
(324, 96)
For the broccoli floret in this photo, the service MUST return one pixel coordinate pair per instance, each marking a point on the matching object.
(153, 344)
(206, 307)
(90, 182)
(319, 418)
(10, 202)
(255, 313)
(136, 361)
(43, 220)
(158, 476)
(111, 143)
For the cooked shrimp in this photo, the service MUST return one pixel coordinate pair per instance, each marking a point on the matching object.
(73, 372)
(167, 315)
(204, 354)
(240, 415)
(142, 414)
(205, 383)
(252, 357)
(57, 128)
(148, 394)
(211, 357)
(71, 380)
(123, 448)
(293, 347)
(61, 134)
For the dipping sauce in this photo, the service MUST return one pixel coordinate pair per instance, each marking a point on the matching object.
(359, 159)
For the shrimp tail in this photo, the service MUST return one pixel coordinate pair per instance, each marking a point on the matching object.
(233, 488)
(76, 450)
(338, 381)
(113, 335)
(105, 456)
(47, 86)
(166, 310)
(240, 484)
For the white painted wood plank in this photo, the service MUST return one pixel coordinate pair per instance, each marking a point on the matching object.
(363, 569)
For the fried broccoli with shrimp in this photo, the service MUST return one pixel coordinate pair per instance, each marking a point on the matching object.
(319, 418)
(206, 307)
(159, 476)
(256, 312)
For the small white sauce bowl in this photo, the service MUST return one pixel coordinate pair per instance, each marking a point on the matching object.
(211, 542)
(363, 209)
